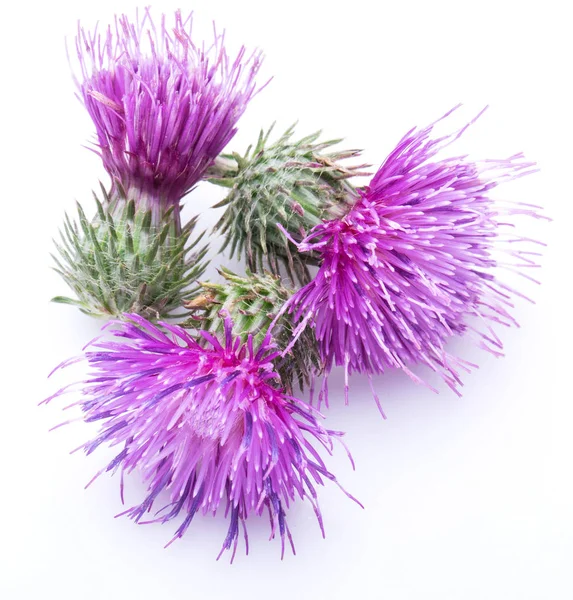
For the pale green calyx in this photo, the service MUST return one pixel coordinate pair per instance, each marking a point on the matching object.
(122, 261)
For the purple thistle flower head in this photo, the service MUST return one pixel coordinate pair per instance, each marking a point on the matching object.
(163, 107)
(204, 426)
(415, 262)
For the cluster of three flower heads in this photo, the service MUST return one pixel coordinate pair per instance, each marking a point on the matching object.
(205, 410)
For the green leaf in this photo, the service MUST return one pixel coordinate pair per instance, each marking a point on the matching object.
(65, 300)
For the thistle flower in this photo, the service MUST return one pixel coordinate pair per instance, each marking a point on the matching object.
(163, 107)
(253, 302)
(203, 425)
(415, 262)
(296, 184)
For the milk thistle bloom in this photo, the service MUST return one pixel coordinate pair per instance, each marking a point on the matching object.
(205, 426)
(415, 262)
(292, 183)
(163, 108)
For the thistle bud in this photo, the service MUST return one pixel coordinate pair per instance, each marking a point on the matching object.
(296, 184)
(253, 302)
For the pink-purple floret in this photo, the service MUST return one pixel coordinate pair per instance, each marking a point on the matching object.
(204, 425)
(163, 107)
(414, 262)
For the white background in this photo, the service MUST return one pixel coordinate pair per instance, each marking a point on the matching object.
(465, 498)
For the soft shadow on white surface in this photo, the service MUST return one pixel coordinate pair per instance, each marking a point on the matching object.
(464, 498)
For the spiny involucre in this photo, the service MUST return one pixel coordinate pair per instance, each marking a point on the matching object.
(207, 427)
(122, 264)
(414, 262)
(253, 301)
(296, 184)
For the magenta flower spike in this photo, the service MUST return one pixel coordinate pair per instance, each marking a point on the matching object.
(203, 426)
(163, 106)
(415, 262)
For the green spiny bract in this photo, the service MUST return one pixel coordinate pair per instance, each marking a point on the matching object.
(252, 302)
(121, 262)
(292, 183)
